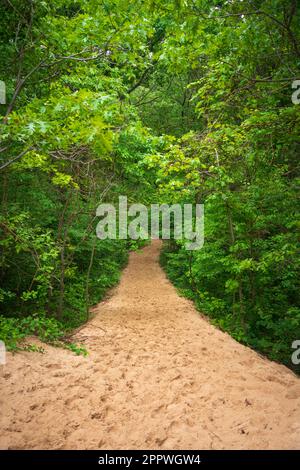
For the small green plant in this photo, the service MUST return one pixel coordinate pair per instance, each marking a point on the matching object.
(32, 348)
(13, 332)
(78, 350)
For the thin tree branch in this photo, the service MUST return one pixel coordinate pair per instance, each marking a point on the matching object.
(13, 160)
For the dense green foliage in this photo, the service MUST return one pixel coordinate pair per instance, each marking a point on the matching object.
(68, 142)
(177, 101)
(243, 164)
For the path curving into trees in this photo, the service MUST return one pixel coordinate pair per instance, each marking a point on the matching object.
(158, 376)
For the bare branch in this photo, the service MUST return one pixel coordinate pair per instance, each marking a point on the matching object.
(13, 160)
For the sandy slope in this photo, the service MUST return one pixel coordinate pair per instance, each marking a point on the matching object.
(158, 376)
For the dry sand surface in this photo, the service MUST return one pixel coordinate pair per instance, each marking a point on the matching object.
(158, 376)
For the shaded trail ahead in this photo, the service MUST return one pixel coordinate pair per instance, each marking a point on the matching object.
(158, 376)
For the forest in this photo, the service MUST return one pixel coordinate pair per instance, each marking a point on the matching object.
(176, 102)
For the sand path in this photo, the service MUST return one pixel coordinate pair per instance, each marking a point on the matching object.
(158, 376)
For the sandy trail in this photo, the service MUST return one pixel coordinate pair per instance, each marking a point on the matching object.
(158, 376)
